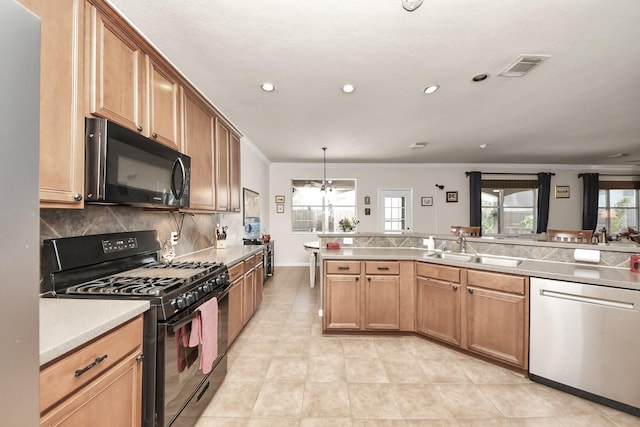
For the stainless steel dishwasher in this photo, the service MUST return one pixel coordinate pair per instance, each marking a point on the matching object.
(585, 339)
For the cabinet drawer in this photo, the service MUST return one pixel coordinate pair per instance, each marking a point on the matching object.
(382, 267)
(497, 281)
(450, 274)
(343, 267)
(236, 271)
(59, 379)
(249, 263)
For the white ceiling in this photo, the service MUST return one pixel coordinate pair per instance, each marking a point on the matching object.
(579, 107)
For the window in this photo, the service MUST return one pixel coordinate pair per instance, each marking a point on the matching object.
(618, 206)
(396, 208)
(509, 206)
(314, 211)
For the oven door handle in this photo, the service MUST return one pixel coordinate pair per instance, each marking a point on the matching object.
(180, 323)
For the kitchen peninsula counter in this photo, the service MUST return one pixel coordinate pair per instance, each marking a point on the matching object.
(67, 323)
(618, 277)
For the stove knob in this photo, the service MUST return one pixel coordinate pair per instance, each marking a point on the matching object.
(190, 298)
(208, 287)
(180, 302)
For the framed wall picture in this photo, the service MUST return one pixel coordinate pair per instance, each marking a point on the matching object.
(426, 201)
(562, 192)
(279, 199)
(452, 197)
(280, 208)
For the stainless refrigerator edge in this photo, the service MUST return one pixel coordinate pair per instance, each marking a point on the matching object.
(19, 215)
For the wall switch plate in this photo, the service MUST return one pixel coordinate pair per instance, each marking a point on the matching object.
(425, 242)
(174, 238)
(348, 240)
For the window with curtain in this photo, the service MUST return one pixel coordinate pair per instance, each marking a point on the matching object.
(313, 211)
(618, 206)
(509, 206)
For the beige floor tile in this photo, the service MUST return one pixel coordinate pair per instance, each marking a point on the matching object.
(404, 371)
(444, 371)
(222, 422)
(287, 369)
(326, 400)
(562, 404)
(431, 423)
(495, 422)
(326, 369)
(292, 347)
(586, 420)
(624, 420)
(365, 371)
(420, 401)
(514, 401)
(248, 369)
(360, 348)
(481, 372)
(392, 348)
(467, 401)
(258, 347)
(325, 422)
(325, 346)
(279, 400)
(535, 422)
(273, 422)
(424, 349)
(233, 400)
(378, 423)
(373, 401)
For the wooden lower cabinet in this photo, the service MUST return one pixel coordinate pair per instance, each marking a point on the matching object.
(438, 311)
(235, 309)
(259, 284)
(245, 295)
(342, 302)
(382, 302)
(497, 315)
(107, 394)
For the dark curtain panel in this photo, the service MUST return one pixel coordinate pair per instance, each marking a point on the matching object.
(544, 191)
(475, 199)
(590, 187)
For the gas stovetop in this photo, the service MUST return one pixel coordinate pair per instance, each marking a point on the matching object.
(155, 279)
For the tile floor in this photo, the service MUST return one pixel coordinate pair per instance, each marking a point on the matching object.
(283, 372)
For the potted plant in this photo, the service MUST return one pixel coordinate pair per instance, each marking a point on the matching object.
(347, 224)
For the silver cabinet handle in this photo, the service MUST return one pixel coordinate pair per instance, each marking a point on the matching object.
(155, 135)
(139, 128)
(77, 197)
(470, 290)
(454, 287)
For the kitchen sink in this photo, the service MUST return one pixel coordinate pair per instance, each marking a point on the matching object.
(498, 261)
(454, 256)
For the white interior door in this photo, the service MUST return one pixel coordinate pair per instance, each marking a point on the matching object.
(395, 207)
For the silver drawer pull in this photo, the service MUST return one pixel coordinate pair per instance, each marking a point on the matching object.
(90, 365)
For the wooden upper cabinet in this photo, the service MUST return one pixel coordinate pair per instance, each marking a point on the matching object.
(164, 106)
(234, 173)
(223, 135)
(199, 145)
(118, 72)
(61, 113)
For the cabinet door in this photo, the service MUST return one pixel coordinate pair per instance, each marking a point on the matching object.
(234, 173)
(199, 145)
(61, 115)
(438, 309)
(259, 285)
(495, 323)
(249, 295)
(235, 309)
(342, 302)
(164, 106)
(222, 166)
(114, 399)
(382, 302)
(117, 74)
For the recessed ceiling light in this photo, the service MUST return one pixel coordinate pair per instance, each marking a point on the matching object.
(430, 89)
(483, 146)
(348, 88)
(480, 77)
(268, 87)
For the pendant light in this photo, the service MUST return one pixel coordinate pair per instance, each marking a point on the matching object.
(323, 188)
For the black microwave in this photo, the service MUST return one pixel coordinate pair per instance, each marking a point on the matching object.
(124, 167)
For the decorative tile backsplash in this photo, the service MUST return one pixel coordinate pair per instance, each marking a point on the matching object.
(197, 229)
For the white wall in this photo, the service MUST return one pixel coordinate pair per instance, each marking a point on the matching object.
(422, 178)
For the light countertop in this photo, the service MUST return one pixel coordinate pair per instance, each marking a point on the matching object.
(231, 255)
(574, 272)
(67, 323)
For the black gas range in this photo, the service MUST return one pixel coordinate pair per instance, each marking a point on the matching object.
(125, 265)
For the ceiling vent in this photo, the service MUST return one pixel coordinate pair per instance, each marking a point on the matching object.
(418, 145)
(523, 65)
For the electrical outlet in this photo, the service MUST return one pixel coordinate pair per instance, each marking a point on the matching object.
(174, 238)
(348, 240)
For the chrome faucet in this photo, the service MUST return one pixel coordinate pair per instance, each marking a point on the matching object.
(462, 243)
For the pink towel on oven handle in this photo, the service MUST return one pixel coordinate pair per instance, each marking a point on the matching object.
(204, 331)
